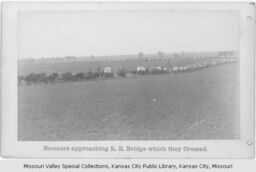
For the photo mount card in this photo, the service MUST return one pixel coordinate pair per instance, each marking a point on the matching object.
(127, 80)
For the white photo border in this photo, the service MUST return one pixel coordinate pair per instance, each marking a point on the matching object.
(12, 148)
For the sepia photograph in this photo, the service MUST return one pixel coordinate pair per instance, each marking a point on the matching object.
(128, 80)
(128, 75)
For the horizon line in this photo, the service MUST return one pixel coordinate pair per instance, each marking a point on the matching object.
(116, 55)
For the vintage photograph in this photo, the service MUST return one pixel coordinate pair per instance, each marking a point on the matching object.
(106, 75)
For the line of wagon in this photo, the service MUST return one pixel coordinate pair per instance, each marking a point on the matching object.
(107, 73)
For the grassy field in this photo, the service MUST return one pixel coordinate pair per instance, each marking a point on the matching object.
(202, 104)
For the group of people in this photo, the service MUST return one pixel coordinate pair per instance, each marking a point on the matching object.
(52, 78)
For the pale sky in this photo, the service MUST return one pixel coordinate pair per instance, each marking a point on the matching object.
(86, 33)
